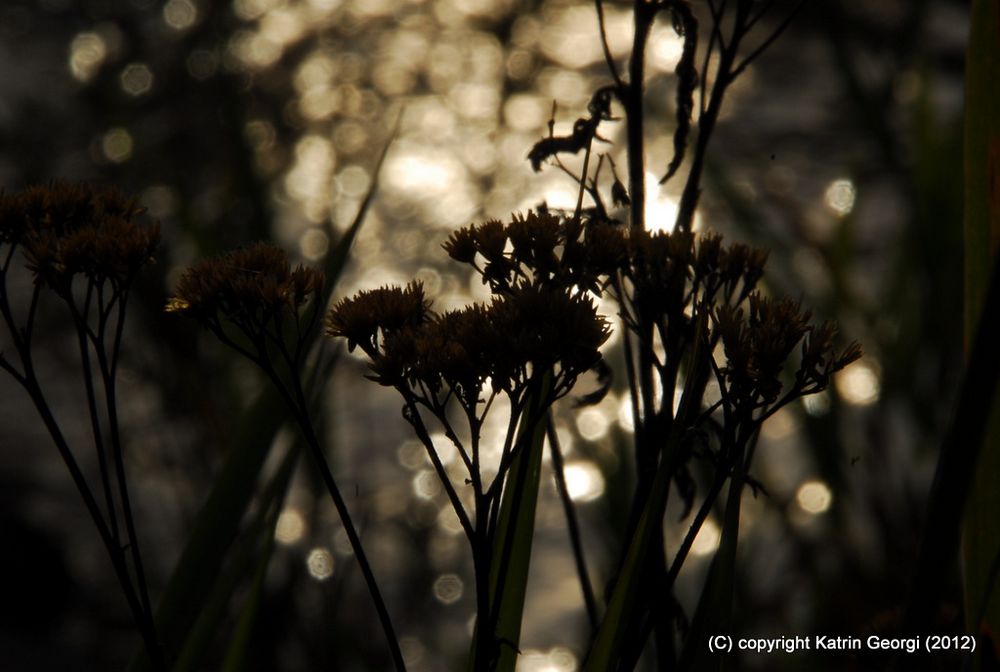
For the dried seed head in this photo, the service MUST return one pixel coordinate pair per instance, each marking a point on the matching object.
(758, 348)
(360, 318)
(461, 246)
(77, 229)
(249, 285)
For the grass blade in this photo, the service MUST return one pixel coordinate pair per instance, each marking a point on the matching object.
(982, 231)
(218, 521)
(257, 541)
(215, 528)
(515, 532)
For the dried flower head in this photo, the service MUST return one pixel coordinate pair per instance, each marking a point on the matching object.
(547, 327)
(250, 286)
(530, 328)
(361, 318)
(77, 229)
(758, 347)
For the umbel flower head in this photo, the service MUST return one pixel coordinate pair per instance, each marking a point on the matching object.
(70, 230)
(251, 287)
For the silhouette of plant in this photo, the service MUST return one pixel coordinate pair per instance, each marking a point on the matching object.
(273, 308)
(84, 246)
(709, 355)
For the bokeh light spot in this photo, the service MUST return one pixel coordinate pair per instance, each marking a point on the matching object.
(814, 497)
(136, 79)
(87, 52)
(839, 197)
(448, 588)
(116, 145)
(817, 405)
(290, 528)
(180, 14)
(426, 484)
(584, 481)
(202, 64)
(592, 423)
(314, 244)
(555, 660)
(320, 564)
(858, 384)
(707, 539)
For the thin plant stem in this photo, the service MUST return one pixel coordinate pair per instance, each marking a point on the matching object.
(413, 417)
(633, 102)
(583, 180)
(115, 552)
(299, 408)
(111, 403)
(608, 59)
(770, 39)
(28, 379)
(80, 320)
(572, 525)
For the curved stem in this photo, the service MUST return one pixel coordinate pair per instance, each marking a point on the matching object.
(299, 409)
(456, 503)
(114, 551)
(107, 370)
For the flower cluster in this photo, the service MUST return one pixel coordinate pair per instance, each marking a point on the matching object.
(540, 248)
(70, 230)
(759, 345)
(530, 328)
(253, 287)
(258, 291)
(656, 274)
(85, 245)
(678, 293)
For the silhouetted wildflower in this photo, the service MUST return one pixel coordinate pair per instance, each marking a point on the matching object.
(758, 347)
(251, 285)
(530, 328)
(257, 290)
(77, 234)
(70, 230)
(361, 318)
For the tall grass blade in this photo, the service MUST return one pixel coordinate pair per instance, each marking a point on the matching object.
(237, 652)
(623, 605)
(982, 233)
(515, 531)
(216, 526)
(715, 607)
(256, 541)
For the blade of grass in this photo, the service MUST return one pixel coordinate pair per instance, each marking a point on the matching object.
(215, 528)
(982, 232)
(337, 259)
(512, 543)
(715, 606)
(620, 614)
(956, 471)
(237, 653)
(256, 541)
